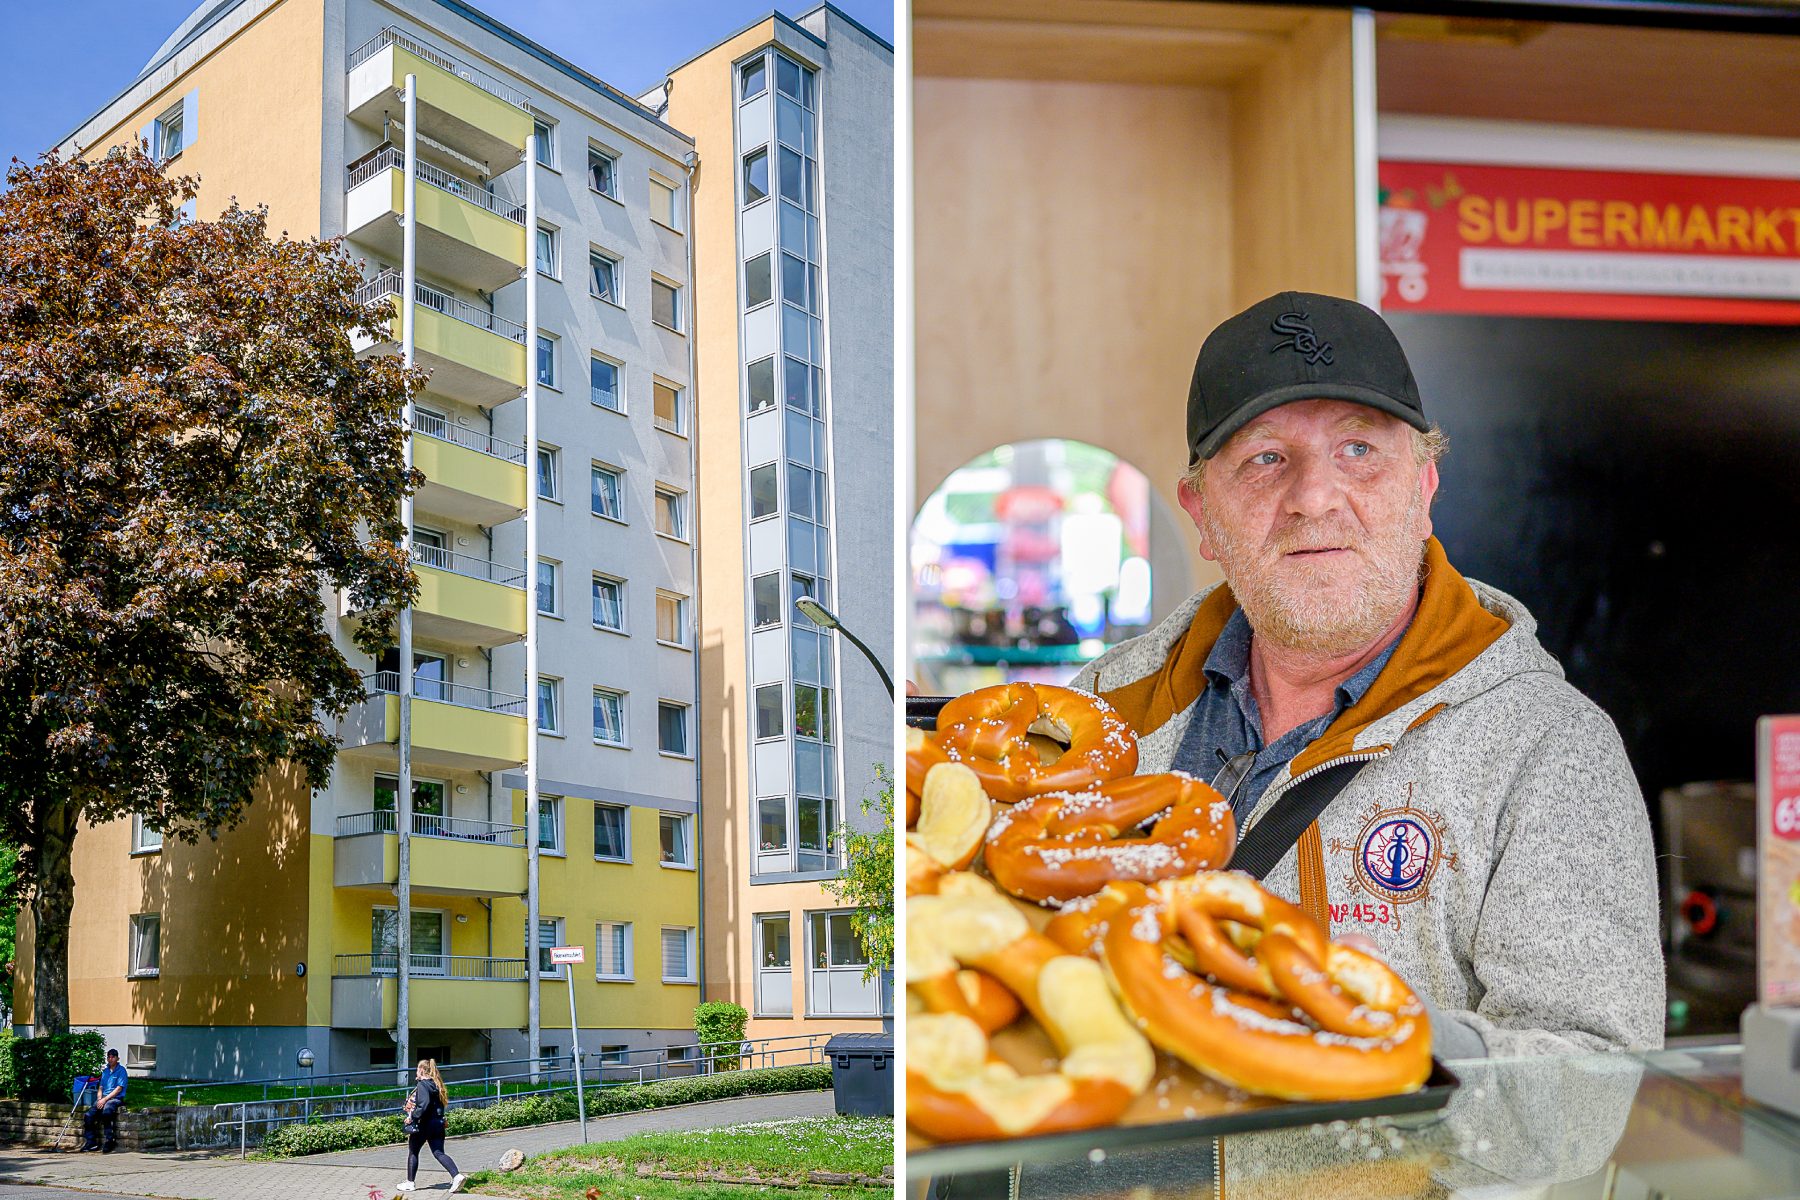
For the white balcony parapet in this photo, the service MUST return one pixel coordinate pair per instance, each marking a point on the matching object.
(387, 683)
(469, 566)
(389, 283)
(426, 825)
(437, 58)
(430, 425)
(391, 157)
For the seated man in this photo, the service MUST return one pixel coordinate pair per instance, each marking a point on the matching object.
(1489, 837)
(108, 1100)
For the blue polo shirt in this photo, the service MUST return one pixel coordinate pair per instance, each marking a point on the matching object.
(1225, 717)
(113, 1077)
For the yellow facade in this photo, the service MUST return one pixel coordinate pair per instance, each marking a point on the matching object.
(477, 610)
(440, 341)
(471, 472)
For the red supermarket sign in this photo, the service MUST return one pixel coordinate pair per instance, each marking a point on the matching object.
(1542, 242)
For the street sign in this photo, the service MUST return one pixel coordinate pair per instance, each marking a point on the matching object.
(567, 954)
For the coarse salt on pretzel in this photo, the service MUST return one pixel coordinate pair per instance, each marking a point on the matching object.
(1300, 1018)
(1063, 845)
(957, 1089)
(989, 730)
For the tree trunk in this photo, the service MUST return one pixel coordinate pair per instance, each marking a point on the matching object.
(52, 904)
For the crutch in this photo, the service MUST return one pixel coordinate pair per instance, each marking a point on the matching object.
(83, 1091)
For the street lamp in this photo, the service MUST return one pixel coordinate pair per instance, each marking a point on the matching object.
(821, 616)
(304, 1059)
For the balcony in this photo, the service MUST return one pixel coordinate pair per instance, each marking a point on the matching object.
(471, 476)
(467, 234)
(451, 856)
(447, 992)
(459, 105)
(453, 724)
(464, 599)
(474, 356)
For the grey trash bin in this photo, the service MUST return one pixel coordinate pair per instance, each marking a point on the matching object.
(862, 1073)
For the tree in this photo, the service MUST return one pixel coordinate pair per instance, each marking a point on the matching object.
(868, 880)
(190, 455)
(9, 927)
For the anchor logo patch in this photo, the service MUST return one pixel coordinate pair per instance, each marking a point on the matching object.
(1397, 854)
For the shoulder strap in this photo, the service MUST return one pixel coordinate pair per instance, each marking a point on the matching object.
(1271, 838)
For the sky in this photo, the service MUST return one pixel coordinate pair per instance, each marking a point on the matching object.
(72, 56)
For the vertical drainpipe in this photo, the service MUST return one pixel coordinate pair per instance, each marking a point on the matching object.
(409, 276)
(689, 163)
(1365, 156)
(535, 1034)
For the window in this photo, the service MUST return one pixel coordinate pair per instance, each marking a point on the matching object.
(548, 470)
(168, 134)
(546, 360)
(772, 833)
(614, 1056)
(603, 277)
(609, 716)
(608, 487)
(145, 839)
(671, 512)
(765, 492)
(793, 281)
(672, 727)
(671, 412)
(755, 75)
(427, 799)
(543, 139)
(798, 378)
(678, 954)
(603, 173)
(429, 945)
(774, 966)
(549, 598)
(146, 944)
(762, 384)
(756, 176)
(768, 711)
(671, 618)
(610, 824)
(549, 934)
(759, 283)
(812, 711)
(787, 76)
(765, 600)
(612, 950)
(817, 827)
(609, 603)
(141, 1055)
(801, 585)
(801, 498)
(550, 809)
(677, 843)
(549, 714)
(546, 252)
(665, 304)
(174, 130)
(662, 203)
(603, 383)
(836, 963)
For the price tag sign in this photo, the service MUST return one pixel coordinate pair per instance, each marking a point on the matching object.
(560, 955)
(1778, 860)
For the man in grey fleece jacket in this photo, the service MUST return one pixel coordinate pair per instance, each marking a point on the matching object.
(1494, 848)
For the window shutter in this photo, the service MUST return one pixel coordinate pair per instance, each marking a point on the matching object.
(674, 954)
(190, 119)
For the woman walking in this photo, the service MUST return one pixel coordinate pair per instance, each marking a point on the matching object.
(425, 1125)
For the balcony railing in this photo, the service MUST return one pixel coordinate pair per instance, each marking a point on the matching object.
(427, 825)
(440, 966)
(385, 157)
(469, 566)
(390, 283)
(387, 683)
(470, 439)
(437, 58)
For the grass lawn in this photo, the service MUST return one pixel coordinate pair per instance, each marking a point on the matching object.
(782, 1153)
(148, 1093)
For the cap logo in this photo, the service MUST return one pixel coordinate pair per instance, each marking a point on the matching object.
(1298, 336)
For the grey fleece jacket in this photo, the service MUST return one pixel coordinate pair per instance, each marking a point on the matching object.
(1498, 855)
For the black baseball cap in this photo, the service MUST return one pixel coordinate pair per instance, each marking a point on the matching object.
(1296, 346)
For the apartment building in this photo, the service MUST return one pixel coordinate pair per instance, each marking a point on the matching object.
(547, 281)
(792, 121)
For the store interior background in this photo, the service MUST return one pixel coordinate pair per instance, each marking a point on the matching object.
(1098, 184)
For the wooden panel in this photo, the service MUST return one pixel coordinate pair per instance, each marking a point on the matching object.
(1681, 80)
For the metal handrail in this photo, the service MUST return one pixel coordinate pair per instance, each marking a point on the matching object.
(469, 566)
(390, 157)
(435, 966)
(437, 58)
(384, 820)
(441, 428)
(390, 283)
(462, 695)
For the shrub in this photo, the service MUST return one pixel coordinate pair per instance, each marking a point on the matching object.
(721, 1021)
(9, 1084)
(43, 1066)
(354, 1133)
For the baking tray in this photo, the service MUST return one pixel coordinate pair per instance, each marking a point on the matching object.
(922, 711)
(1147, 1126)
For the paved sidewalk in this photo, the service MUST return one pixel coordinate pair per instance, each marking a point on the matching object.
(202, 1175)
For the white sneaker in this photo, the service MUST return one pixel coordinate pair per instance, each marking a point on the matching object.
(405, 1185)
(456, 1184)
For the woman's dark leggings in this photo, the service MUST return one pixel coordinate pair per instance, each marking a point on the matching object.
(416, 1140)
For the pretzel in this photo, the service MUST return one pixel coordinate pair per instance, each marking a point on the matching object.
(953, 816)
(956, 1089)
(1062, 845)
(988, 728)
(1300, 1017)
(922, 754)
